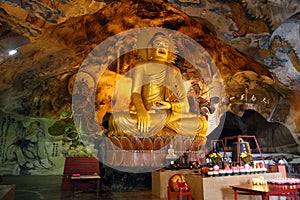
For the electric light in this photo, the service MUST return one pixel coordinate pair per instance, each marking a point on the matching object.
(12, 52)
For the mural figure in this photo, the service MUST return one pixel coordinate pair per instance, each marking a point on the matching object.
(83, 113)
(29, 149)
(159, 99)
(243, 25)
(193, 96)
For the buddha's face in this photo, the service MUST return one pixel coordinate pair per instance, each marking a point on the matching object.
(159, 50)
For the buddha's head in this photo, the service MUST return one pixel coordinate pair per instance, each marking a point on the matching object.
(159, 47)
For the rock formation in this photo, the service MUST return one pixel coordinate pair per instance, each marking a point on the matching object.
(38, 81)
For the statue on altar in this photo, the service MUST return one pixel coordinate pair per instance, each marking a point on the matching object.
(159, 100)
(171, 153)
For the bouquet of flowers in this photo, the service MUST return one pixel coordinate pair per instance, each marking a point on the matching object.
(215, 158)
(246, 157)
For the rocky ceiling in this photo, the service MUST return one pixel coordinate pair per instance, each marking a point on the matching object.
(245, 39)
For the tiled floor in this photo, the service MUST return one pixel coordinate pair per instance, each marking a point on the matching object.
(49, 188)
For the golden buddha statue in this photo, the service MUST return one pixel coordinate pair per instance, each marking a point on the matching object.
(159, 99)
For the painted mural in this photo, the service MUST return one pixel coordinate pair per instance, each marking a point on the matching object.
(35, 146)
(26, 147)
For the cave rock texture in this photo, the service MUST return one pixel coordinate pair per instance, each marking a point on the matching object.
(38, 81)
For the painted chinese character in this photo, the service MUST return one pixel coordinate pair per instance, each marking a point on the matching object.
(253, 98)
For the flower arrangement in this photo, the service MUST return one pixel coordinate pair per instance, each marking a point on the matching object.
(246, 157)
(216, 158)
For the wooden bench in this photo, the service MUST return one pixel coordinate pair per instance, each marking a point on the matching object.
(84, 179)
(81, 173)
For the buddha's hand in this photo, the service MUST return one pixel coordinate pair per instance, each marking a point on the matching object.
(162, 105)
(143, 121)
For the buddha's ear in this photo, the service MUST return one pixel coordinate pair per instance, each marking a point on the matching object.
(172, 57)
(172, 47)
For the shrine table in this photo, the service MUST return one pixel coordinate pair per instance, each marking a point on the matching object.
(202, 186)
(266, 191)
(218, 188)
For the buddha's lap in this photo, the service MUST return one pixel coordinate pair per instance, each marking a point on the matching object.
(187, 124)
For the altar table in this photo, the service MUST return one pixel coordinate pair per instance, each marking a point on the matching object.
(204, 188)
(218, 188)
(266, 191)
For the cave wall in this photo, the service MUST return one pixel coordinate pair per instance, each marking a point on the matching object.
(57, 135)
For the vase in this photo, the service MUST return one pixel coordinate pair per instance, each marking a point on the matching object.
(216, 167)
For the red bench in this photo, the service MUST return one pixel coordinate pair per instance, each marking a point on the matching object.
(81, 173)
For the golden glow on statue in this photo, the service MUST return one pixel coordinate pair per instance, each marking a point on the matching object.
(160, 103)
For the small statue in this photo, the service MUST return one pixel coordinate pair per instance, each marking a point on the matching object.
(171, 153)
